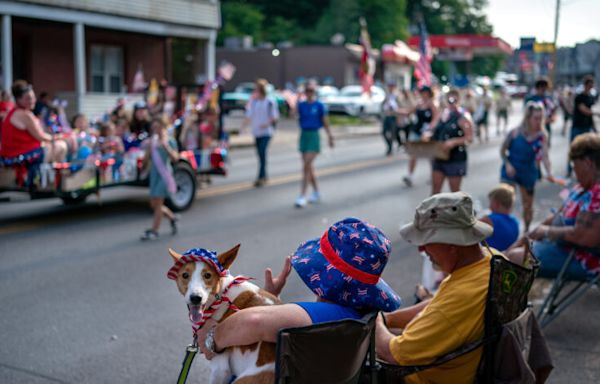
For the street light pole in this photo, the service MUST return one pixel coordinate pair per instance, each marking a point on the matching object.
(556, 20)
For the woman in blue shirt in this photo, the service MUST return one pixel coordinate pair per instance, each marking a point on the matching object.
(312, 115)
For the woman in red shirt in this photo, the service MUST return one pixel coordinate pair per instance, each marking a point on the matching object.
(22, 133)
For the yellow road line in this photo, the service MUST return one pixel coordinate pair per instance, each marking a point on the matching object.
(21, 227)
(286, 179)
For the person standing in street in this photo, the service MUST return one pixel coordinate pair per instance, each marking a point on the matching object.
(161, 153)
(455, 131)
(390, 107)
(541, 95)
(503, 108)
(566, 102)
(522, 150)
(262, 114)
(427, 114)
(583, 117)
(312, 116)
(484, 104)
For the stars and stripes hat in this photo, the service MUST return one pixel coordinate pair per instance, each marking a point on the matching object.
(345, 266)
(193, 255)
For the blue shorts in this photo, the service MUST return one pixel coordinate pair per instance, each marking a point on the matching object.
(552, 256)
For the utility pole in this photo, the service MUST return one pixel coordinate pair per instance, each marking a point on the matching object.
(556, 20)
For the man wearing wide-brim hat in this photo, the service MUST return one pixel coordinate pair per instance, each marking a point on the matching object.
(445, 229)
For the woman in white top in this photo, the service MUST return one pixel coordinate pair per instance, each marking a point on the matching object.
(261, 114)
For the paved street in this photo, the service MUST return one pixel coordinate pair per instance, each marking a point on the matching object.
(84, 301)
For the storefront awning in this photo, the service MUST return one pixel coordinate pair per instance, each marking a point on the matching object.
(475, 45)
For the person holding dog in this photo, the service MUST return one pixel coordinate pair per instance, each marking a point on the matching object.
(343, 269)
(446, 229)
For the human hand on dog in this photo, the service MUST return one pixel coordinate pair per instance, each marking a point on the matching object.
(274, 285)
(201, 338)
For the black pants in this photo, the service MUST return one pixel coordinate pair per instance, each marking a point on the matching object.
(390, 132)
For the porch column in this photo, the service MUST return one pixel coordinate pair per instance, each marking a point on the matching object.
(79, 56)
(7, 58)
(210, 55)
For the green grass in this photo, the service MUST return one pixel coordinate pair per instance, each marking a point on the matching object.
(346, 120)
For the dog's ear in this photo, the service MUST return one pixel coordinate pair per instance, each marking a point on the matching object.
(227, 258)
(176, 256)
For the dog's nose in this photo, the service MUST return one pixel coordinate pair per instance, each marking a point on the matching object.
(195, 299)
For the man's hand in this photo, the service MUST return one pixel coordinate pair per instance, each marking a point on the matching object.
(330, 141)
(274, 285)
(539, 233)
(201, 338)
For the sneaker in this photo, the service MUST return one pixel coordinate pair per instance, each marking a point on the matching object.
(174, 223)
(300, 202)
(408, 181)
(149, 235)
(259, 183)
(314, 198)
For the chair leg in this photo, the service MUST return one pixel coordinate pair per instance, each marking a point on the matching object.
(557, 286)
(569, 299)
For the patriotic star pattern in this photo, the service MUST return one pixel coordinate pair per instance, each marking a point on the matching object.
(347, 268)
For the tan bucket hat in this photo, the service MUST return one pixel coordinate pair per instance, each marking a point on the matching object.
(446, 218)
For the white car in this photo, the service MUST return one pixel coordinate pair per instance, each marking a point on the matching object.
(352, 101)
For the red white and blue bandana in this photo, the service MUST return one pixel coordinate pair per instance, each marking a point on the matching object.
(345, 266)
(197, 254)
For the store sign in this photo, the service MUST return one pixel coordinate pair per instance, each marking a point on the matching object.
(543, 48)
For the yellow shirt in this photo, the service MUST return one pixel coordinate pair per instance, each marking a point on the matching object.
(453, 318)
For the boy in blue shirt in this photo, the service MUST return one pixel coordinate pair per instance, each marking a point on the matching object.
(506, 225)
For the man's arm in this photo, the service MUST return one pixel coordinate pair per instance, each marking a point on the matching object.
(383, 337)
(252, 325)
(401, 317)
(584, 233)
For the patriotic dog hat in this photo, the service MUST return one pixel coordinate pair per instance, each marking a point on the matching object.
(193, 255)
(345, 265)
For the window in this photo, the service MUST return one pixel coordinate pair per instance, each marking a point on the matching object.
(106, 69)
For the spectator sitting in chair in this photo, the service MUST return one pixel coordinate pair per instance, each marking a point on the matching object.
(342, 268)
(577, 222)
(444, 228)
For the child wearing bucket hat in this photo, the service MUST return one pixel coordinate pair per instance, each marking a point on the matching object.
(446, 229)
(343, 268)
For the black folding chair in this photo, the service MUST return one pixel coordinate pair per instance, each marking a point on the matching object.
(559, 298)
(326, 353)
(507, 299)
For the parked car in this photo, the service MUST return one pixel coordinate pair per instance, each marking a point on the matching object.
(354, 102)
(242, 94)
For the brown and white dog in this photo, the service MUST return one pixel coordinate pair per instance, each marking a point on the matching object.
(210, 291)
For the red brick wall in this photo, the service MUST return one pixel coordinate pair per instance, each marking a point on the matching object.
(49, 54)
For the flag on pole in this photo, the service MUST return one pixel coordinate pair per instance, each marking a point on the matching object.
(423, 67)
(367, 63)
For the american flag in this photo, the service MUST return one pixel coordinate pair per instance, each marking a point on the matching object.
(367, 63)
(422, 67)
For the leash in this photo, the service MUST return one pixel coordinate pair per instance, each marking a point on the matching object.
(190, 353)
(192, 349)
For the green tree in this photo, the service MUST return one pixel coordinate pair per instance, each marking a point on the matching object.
(240, 19)
(455, 17)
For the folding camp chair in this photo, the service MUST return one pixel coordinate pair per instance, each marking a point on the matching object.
(507, 299)
(557, 301)
(326, 353)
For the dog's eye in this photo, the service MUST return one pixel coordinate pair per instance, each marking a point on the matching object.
(207, 275)
(185, 275)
